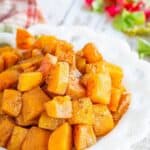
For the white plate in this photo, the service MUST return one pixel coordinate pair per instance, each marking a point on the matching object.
(134, 125)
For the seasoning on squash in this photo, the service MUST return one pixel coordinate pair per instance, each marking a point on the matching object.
(11, 102)
(59, 107)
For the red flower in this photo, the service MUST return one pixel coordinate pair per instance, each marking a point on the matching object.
(113, 10)
(89, 2)
(147, 14)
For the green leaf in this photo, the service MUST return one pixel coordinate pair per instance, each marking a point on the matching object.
(143, 47)
(98, 5)
(127, 20)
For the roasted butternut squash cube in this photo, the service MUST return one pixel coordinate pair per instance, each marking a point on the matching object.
(31, 62)
(59, 78)
(11, 102)
(115, 99)
(59, 107)
(103, 122)
(24, 39)
(6, 128)
(17, 138)
(10, 58)
(83, 136)
(46, 43)
(116, 74)
(81, 63)
(29, 80)
(49, 123)
(19, 120)
(33, 103)
(82, 112)
(91, 53)
(75, 89)
(47, 63)
(99, 87)
(2, 64)
(63, 134)
(8, 78)
(123, 106)
(64, 52)
(96, 67)
(36, 139)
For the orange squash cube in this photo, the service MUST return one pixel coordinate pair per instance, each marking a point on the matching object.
(33, 103)
(46, 43)
(49, 123)
(36, 139)
(1, 97)
(115, 99)
(47, 63)
(99, 87)
(81, 63)
(29, 80)
(82, 112)
(59, 107)
(59, 78)
(63, 134)
(83, 136)
(17, 138)
(24, 39)
(75, 89)
(91, 53)
(116, 74)
(11, 102)
(103, 122)
(64, 52)
(19, 120)
(8, 78)
(6, 128)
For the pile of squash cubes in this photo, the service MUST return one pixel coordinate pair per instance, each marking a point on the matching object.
(52, 98)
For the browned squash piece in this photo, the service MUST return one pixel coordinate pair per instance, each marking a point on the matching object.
(1, 97)
(123, 106)
(19, 120)
(49, 123)
(36, 139)
(17, 138)
(6, 128)
(24, 39)
(116, 74)
(47, 63)
(59, 107)
(82, 112)
(83, 136)
(99, 87)
(29, 80)
(2, 64)
(81, 63)
(96, 67)
(11, 102)
(36, 52)
(90, 52)
(31, 62)
(63, 134)
(103, 122)
(59, 78)
(33, 103)
(8, 79)
(115, 99)
(75, 89)
(64, 52)
(46, 43)
(10, 58)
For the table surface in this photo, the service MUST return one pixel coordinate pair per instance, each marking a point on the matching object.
(73, 12)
